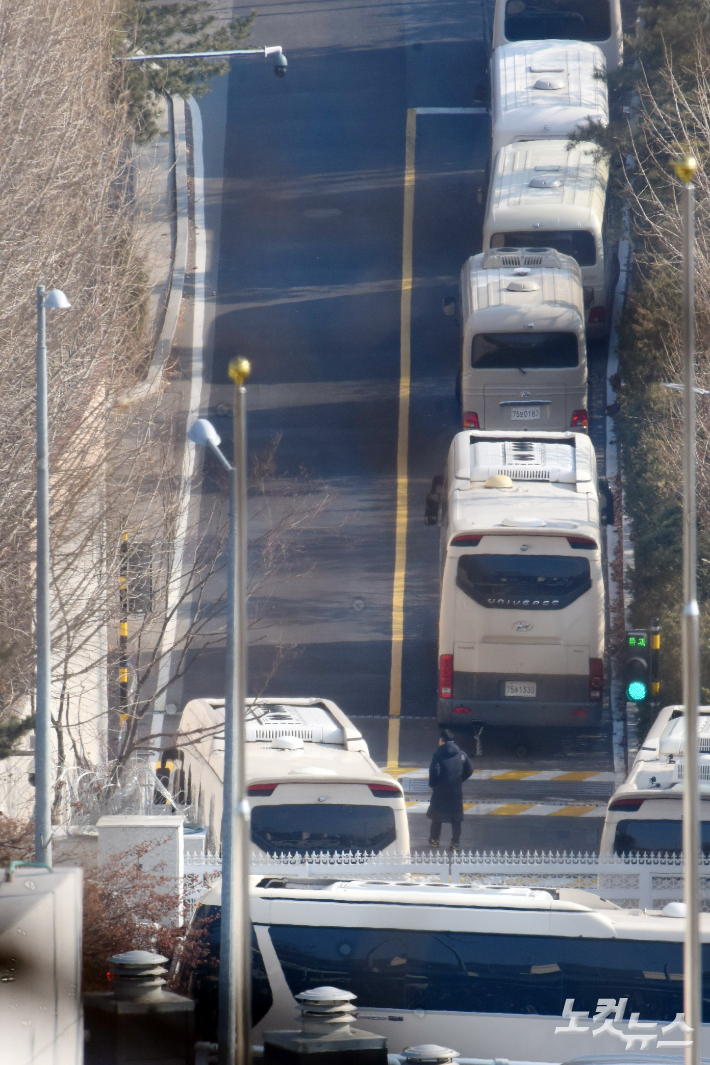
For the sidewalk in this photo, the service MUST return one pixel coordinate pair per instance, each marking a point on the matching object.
(161, 197)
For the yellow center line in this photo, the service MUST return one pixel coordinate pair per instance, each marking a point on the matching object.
(400, 535)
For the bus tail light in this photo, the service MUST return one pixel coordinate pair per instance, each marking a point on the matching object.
(462, 710)
(582, 543)
(470, 420)
(596, 679)
(384, 791)
(632, 805)
(446, 676)
(597, 315)
(580, 420)
(262, 789)
(466, 540)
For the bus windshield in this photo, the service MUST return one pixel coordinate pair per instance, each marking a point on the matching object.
(544, 20)
(579, 243)
(509, 582)
(656, 837)
(524, 351)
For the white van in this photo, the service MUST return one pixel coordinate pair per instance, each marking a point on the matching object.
(521, 620)
(645, 813)
(541, 195)
(593, 21)
(524, 355)
(543, 90)
(494, 972)
(311, 782)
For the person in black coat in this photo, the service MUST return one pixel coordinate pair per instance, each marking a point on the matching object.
(449, 767)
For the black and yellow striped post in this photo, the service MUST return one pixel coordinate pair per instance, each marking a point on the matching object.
(123, 632)
(655, 633)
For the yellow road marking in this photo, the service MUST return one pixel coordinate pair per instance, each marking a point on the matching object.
(512, 808)
(572, 811)
(400, 536)
(515, 774)
(578, 774)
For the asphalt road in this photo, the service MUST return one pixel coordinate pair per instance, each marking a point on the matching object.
(305, 203)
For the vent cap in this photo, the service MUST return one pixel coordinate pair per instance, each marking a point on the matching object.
(550, 84)
(516, 285)
(545, 183)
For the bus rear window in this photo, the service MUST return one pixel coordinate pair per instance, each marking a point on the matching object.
(579, 243)
(656, 837)
(524, 351)
(569, 20)
(328, 827)
(509, 582)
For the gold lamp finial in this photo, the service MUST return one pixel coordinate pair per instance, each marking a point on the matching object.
(239, 369)
(685, 168)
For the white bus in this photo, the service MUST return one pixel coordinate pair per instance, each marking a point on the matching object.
(311, 782)
(593, 21)
(541, 195)
(524, 354)
(521, 619)
(645, 813)
(544, 90)
(495, 973)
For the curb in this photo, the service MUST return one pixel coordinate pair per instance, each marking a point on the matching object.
(178, 177)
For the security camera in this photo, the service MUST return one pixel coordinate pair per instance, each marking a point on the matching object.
(280, 65)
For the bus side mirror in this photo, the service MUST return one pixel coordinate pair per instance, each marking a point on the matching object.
(607, 509)
(433, 501)
(449, 306)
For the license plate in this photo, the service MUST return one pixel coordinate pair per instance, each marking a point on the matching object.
(520, 689)
(525, 414)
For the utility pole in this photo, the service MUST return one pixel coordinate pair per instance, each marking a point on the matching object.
(692, 969)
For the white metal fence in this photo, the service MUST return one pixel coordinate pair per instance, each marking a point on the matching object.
(633, 882)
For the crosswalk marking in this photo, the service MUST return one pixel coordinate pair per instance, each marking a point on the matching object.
(577, 775)
(574, 811)
(519, 809)
(510, 809)
(514, 774)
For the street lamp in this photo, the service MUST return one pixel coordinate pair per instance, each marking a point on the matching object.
(234, 1033)
(692, 969)
(53, 301)
(280, 60)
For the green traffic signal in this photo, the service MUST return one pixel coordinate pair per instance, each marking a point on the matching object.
(636, 691)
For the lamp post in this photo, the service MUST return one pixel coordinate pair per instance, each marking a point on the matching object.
(692, 969)
(276, 50)
(234, 1033)
(54, 300)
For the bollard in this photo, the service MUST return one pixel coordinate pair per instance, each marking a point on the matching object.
(138, 1021)
(326, 1036)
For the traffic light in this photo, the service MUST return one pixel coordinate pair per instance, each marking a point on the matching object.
(637, 666)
